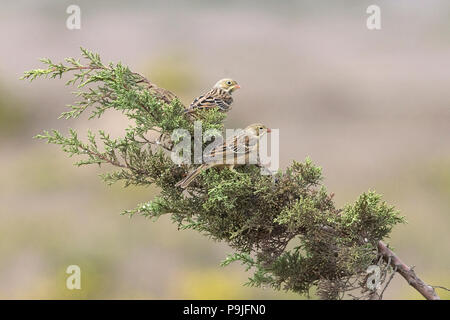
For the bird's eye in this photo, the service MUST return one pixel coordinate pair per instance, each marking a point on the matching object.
(229, 83)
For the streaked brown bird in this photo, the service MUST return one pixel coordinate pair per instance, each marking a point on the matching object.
(218, 97)
(237, 148)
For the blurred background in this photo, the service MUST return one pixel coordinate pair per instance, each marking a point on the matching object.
(372, 108)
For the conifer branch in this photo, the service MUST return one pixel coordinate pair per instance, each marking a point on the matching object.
(257, 215)
(407, 272)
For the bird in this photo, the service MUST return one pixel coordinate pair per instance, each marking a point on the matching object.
(238, 148)
(218, 97)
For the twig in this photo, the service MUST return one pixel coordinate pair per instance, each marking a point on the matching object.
(440, 287)
(389, 281)
(103, 157)
(407, 272)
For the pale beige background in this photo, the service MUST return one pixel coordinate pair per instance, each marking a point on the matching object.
(370, 107)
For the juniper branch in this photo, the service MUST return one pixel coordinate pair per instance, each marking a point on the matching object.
(258, 216)
(407, 272)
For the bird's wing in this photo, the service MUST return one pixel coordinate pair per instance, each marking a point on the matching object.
(237, 145)
(214, 98)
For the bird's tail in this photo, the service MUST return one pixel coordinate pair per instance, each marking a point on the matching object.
(190, 177)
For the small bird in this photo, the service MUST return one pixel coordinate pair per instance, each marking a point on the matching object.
(218, 97)
(237, 147)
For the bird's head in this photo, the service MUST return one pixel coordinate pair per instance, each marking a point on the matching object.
(228, 85)
(257, 129)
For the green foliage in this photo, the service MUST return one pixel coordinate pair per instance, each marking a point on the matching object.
(257, 215)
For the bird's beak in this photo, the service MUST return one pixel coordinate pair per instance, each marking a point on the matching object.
(237, 86)
(269, 130)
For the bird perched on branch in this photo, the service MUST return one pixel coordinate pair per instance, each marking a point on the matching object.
(218, 97)
(236, 150)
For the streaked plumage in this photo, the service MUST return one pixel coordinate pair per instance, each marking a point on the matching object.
(218, 97)
(237, 147)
